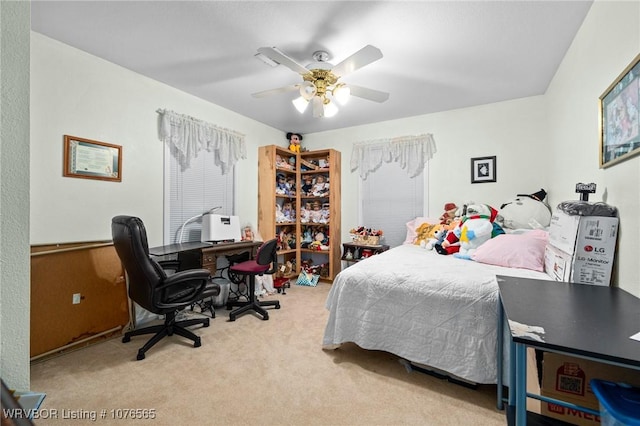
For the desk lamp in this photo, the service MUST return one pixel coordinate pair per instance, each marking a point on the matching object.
(214, 209)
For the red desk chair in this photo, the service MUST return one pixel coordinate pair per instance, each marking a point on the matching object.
(265, 262)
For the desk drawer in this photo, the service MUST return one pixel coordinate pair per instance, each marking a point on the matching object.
(209, 262)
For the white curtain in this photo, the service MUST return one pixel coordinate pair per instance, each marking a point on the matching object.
(187, 136)
(411, 152)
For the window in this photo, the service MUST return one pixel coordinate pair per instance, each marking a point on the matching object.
(192, 192)
(389, 199)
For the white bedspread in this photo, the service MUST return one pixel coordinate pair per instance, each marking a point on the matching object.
(422, 306)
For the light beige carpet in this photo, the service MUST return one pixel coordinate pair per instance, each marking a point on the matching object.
(256, 372)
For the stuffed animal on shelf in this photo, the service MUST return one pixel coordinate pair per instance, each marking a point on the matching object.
(525, 212)
(476, 227)
(294, 141)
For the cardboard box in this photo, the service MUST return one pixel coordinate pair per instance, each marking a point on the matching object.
(583, 267)
(557, 264)
(573, 233)
(567, 378)
(581, 249)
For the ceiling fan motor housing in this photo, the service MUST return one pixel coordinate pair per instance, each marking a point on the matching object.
(321, 79)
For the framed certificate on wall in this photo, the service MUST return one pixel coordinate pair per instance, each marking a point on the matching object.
(89, 159)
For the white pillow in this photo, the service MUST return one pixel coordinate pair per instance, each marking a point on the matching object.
(524, 251)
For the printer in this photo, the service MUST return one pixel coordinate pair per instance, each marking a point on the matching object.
(219, 228)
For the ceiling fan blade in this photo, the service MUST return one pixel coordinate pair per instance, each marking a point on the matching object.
(278, 56)
(362, 57)
(270, 92)
(366, 93)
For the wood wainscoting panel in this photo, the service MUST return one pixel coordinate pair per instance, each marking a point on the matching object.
(62, 274)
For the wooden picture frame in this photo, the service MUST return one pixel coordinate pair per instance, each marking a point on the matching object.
(89, 159)
(619, 117)
(483, 169)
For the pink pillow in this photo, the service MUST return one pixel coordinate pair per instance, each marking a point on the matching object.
(412, 225)
(524, 251)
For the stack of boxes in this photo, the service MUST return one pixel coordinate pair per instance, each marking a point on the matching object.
(581, 249)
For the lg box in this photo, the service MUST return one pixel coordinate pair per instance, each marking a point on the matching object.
(572, 233)
(581, 249)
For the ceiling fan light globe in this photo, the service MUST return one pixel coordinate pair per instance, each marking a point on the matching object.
(308, 90)
(342, 94)
(301, 104)
(330, 109)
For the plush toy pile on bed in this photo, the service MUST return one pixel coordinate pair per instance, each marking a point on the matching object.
(476, 227)
(460, 231)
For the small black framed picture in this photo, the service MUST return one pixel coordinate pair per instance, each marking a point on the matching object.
(483, 169)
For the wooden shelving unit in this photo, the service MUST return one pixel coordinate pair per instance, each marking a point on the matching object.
(278, 165)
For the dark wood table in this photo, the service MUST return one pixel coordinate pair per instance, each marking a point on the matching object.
(587, 321)
(204, 255)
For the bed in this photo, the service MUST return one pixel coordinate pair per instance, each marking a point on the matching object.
(426, 308)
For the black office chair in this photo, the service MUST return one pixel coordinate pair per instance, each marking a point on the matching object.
(265, 262)
(154, 290)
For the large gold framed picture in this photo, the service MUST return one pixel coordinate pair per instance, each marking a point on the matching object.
(89, 159)
(619, 117)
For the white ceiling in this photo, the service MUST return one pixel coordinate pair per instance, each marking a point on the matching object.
(438, 55)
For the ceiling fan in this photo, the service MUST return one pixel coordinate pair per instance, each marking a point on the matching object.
(320, 80)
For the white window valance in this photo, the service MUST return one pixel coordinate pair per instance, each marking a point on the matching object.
(187, 136)
(412, 152)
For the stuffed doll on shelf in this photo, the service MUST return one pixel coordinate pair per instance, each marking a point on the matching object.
(294, 141)
(281, 184)
(321, 187)
(307, 186)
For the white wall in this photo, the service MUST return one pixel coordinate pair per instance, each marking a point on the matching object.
(511, 130)
(14, 194)
(607, 42)
(81, 95)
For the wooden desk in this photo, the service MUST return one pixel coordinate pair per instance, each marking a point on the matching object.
(193, 255)
(582, 320)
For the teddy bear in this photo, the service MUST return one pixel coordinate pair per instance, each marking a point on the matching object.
(525, 212)
(425, 232)
(476, 228)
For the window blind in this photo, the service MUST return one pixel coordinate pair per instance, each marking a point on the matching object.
(193, 191)
(389, 199)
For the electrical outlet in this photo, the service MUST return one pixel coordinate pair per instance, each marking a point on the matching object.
(76, 298)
